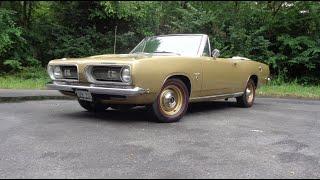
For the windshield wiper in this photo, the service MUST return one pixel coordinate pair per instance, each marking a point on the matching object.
(167, 52)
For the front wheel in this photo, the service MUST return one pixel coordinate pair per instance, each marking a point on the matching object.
(172, 102)
(247, 99)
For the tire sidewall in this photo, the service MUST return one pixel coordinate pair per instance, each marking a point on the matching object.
(93, 106)
(156, 105)
(249, 104)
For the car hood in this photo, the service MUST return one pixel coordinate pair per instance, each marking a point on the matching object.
(105, 58)
(119, 57)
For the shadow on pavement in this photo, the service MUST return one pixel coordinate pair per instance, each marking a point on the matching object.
(138, 114)
(210, 106)
(141, 114)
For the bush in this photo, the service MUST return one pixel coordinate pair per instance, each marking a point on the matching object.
(10, 38)
(14, 51)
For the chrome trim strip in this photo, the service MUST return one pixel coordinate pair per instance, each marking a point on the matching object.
(179, 35)
(99, 90)
(218, 96)
(204, 40)
(210, 55)
(131, 52)
(66, 80)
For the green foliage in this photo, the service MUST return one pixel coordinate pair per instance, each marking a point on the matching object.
(283, 34)
(14, 51)
(8, 32)
(13, 63)
(27, 78)
(10, 37)
(73, 45)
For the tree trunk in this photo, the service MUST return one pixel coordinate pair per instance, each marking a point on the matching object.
(28, 20)
(277, 9)
(184, 4)
(269, 5)
(236, 6)
(24, 13)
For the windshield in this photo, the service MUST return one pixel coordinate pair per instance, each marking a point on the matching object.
(178, 45)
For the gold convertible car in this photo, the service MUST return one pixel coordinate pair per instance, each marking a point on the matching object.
(164, 73)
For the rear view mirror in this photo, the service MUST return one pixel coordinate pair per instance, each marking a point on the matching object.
(215, 53)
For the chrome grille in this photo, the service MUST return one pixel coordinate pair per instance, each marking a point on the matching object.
(69, 72)
(106, 73)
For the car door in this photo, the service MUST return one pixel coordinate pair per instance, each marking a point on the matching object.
(218, 76)
(237, 73)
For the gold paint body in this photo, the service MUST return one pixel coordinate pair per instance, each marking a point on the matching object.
(208, 76)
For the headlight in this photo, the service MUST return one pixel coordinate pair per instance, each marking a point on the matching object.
(57, 73)
(50, 72)
(125, 75)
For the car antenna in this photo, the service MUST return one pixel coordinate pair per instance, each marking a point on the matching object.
(115, 40)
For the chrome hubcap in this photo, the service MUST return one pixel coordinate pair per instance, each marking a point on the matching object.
(169, 99)
(250, 93)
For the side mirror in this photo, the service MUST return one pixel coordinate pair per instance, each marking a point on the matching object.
(215, 53)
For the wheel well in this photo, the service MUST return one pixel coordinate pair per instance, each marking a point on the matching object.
(185, 80)
(255, 79)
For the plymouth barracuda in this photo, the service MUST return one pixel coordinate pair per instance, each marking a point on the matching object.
(165, 73)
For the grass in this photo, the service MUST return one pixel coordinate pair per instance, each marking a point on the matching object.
(36, 78)
(293, 90)
(31, 78)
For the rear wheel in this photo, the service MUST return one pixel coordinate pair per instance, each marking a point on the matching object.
(93, 106)
(247, 99)
(172, 102)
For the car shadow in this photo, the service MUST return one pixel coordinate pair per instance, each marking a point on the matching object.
(210, 106)
(141, 113)
(137, 114)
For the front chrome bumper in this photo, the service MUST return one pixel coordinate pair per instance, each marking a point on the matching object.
(128, 91)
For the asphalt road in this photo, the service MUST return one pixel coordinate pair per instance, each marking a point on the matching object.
(14, 93)
(277, 138)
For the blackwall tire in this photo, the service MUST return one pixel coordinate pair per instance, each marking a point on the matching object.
(248, 97)
(93, 106)
(172, 101)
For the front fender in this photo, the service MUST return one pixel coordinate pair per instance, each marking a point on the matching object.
(151, 74)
